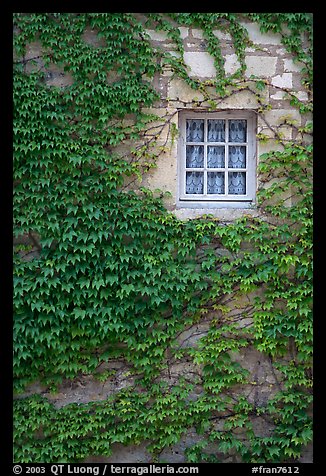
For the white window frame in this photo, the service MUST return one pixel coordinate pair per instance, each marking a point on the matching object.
(218, 200)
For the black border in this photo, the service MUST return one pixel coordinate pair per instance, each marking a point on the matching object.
(6, 199)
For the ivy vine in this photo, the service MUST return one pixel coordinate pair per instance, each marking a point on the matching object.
(103, 271)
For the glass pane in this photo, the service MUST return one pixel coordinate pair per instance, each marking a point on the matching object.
(195, 130)
(195, 156)
(216, 130)
(194, 182)
(237, 183)
(215, 156)
(216, 182)
(237, 130)
(237, 156)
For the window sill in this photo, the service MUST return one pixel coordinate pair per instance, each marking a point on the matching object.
(213, 204)
(225, 214)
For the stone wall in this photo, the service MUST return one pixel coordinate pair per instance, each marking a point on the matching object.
(266, 59)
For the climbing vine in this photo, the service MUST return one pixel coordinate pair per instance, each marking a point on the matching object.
(103, 272)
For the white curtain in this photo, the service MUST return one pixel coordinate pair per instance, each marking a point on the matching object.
(194, 182)
(237, 183)
(216, 156)
(237, 156)
(237, 130)
(215, 182)
(237, 133)
(216, 130)
(194, 156)
(195, 130)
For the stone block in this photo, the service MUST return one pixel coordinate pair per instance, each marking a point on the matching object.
(285, 132)
(167, 72)
(242, 100)
(256, 36)
(164, 176)
(231, 64)
(266, 147)
(181, 91)
(184, 32)
(201, 64)
(283, 80)
(197, 33)
(91, 38)
(157, 35)
(279, 95)
(276, 116)
(161, 126)
(192, 45)
(262, 66)
(34, 57)
(56, 76)
(190, 337)
(301, 95)
(32, 50)
(222, 35)
(174, 53)
(290, 65)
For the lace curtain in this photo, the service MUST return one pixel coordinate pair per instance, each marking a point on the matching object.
(194, 156)
(216, 130)
(195, 182)
(195, 130)
(237, 156)
(237, 183)
(215, 182)
(216, 157)
(216, 133)
(237, 130)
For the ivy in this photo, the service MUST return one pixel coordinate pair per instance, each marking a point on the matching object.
(103, 272)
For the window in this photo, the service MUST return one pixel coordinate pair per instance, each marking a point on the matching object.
(217, 165)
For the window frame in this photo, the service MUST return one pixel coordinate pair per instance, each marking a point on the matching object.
(217, 200)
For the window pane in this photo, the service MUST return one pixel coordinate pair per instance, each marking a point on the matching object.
(195, 130)
(237, 156)
(194, 182)
(216, 130)
(215, 156)
(216, 182)
(237, 183)
(237, 130)
(195, 156)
